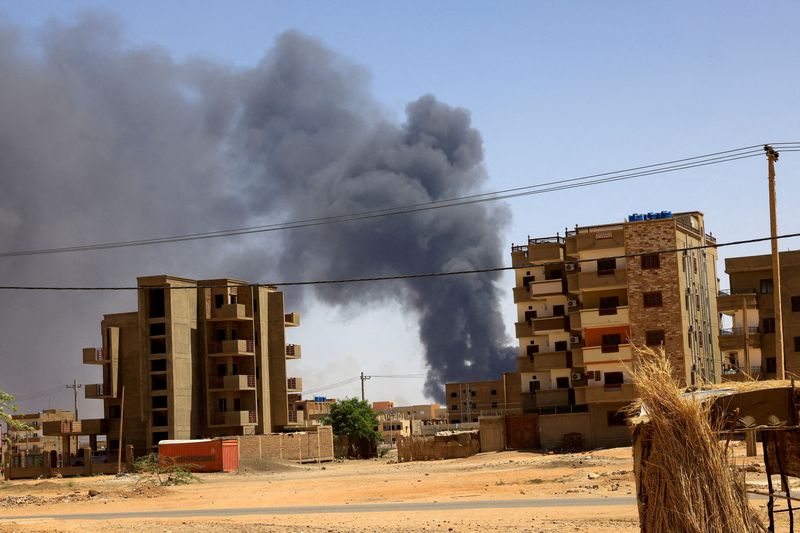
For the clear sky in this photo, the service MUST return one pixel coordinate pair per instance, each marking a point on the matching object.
(557, 90)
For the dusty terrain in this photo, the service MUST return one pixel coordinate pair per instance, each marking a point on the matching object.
(513, 491)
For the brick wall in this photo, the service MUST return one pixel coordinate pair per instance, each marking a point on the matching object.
(645, 237)
(257, 451)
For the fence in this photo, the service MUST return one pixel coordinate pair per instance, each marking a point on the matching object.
(453, 446)
(24, 466)
(258, 451)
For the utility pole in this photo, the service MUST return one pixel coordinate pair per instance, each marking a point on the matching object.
(772, 156)
(363, 379)
(75, 386)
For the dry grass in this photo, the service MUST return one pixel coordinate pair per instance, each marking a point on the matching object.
(686, 475)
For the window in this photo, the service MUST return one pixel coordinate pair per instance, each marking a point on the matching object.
(535, 385)
(652, 299)
(493, 392)
(654, 338)
(234, 299)
(613, 378)
(797, 344)
(256, 337)
(158, 365)
(159, 402)
(219, 335)
(795, 304)
(454, 395)
(158, 346)
(616, 418)
(219, 300)
(560, 346)
(765, 286)
(158, 382)
(651, 261)
(606, 267)
(562, 383)
(558, 310)
(611, 339)
(772, 365)
(472, 393)
(494, 405)
(114, 411)
(223, 405)
(768, 325)
(609, 301)
(159, 328)
(161, 418)
(156, 305)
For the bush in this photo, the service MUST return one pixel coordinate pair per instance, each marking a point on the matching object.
(172, 474)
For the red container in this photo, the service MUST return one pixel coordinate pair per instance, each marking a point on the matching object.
(206, 455)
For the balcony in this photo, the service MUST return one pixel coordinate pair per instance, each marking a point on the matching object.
(61, 427)
(550, 324)
(623, 392)
(547, 288)
(98, 391)
(603, 279)
(293, 351)
(540, 362)
(523, 329)
(237, 347)
(736, 300)
(231, 312)
(611, 316)
(232, 383)
(291, 320)
(294, 384)
(595, 238)
(733, 338)
(609, 352)
(522, 294)
(234, 418)
(552, 397)
(94, 356)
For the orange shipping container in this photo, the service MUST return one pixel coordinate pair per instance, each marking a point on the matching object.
(203, 455)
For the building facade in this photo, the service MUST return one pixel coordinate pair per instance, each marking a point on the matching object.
(584, 300)
(747, 339)
(33, 440)
(467, 401)
(196, 359)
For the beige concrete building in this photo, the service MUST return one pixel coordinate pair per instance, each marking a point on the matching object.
(747, 339)
(585, 299)
(468, 401)
(424, 412)
(33, 441)
(196, 359)
(307, 413)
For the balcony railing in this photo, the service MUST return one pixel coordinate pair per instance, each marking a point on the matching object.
(94, 356)
(232, 382)
(234, 418)
(97, 390)
(294, 384)
(231, 347)
(607, 352)
(731, 292)
(737, 330)
(293, 351)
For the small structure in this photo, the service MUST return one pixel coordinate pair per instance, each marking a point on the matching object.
(200, 455)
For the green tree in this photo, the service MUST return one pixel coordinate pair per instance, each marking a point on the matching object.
(356, 420)
(7, 410)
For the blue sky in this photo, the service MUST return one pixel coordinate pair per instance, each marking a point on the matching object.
(557, 89)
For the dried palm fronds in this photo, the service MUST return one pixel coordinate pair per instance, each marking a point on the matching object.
(685, 479)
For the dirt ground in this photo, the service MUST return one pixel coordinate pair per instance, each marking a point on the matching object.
(590, 491)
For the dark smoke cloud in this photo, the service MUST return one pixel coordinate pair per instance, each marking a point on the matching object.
(101, 142)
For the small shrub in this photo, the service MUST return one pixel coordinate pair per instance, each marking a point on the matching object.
(166, 475)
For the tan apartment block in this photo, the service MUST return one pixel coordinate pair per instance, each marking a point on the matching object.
(196, 359)
(747, 343)
(585, 299)
(424, 412)
(306, 413)
(468, 401)
(33, 440)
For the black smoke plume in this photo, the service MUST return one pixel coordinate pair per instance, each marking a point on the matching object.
(103, 142)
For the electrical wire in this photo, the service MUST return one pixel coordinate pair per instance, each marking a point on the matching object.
(402, 276)
(540, 188)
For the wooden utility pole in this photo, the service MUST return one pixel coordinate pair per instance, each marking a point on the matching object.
(780, 367)
(121, 420)
(75, 386)
(363, 379)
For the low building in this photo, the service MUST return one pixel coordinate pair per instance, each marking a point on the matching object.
(307, 413)
(426, 413)
(468, 401)
(33, 440)
(391, 430)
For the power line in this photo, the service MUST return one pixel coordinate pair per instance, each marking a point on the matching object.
(401, 276)
(540, 188)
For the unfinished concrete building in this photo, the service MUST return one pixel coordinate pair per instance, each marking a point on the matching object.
(747, 340)
(32, 440)
(196, 359)
(585, 299)
(467, 401)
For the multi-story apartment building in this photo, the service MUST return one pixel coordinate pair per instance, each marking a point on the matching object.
(197, 358)
(468, 401)
(307, 413)
(584, 300)
(747, 341)
(33, 440)
(424, 412)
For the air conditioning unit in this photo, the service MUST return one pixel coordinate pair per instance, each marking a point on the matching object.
(577, 376)
(571, 267)
(572, 303)
(575, 339)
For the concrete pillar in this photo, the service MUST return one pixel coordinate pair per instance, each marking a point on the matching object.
(87, 461)
(23, 458)
(129, 457)
(93, 442)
